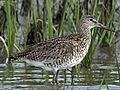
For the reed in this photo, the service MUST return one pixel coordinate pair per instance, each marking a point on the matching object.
(50, 23)
(6, 47)
(10, 29)
(102, 82)
(61, 23)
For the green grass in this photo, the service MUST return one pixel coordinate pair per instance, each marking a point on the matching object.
(10, 29)
(50, 23)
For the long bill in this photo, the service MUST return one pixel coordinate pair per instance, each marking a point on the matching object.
(104, 27)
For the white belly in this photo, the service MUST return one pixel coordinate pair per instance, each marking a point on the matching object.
(37, 64)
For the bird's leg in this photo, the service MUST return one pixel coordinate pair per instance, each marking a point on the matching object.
(65, 76)
(72, 75)
(69, 70)
(55, 77)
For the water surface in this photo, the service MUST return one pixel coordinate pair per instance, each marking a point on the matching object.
(104, 70)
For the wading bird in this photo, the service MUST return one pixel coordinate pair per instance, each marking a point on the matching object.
(62, 52)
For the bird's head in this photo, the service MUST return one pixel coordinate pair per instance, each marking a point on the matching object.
(89, 22)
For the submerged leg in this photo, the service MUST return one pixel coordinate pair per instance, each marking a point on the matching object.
(72, 75)
(65, 76)
(55, 77)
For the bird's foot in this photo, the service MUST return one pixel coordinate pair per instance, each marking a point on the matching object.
(55, 82)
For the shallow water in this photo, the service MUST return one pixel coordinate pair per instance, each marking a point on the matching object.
(104, 69)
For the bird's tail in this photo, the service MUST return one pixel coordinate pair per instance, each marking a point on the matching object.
(24, 54)
(17, 57)
(10, 58)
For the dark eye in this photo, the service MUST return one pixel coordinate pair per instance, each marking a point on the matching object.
(91, 19)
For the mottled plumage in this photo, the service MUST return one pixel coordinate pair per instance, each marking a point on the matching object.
(62, 52)
(58, 53)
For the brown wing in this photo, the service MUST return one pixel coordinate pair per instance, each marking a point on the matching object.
(52, 50)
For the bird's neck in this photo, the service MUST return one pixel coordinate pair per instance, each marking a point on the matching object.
(84, 31)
